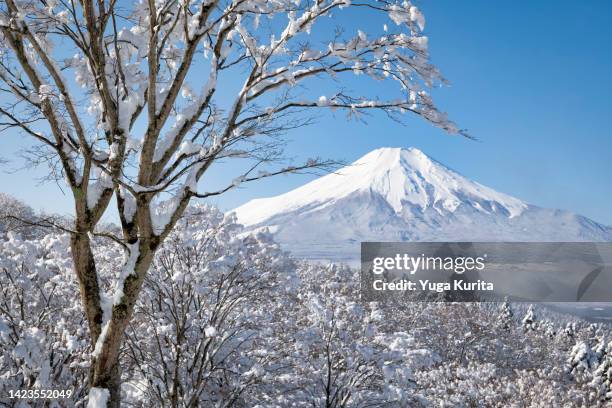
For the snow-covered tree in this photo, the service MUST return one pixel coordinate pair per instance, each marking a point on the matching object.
(602, 376)
(506, 315)
(43, 339)
(570, 329)
(338, 355)
(530, 319)
(14, 214)
(583, 358)
(137, 110)
(18, 217)
(202, 331)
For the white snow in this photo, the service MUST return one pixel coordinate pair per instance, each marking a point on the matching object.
(187, 148)
(415, 15)
(128, 269)
(98, 397)
(44, 91)
(129, 204)
(96, 188)
(100, 342)
(401, 176)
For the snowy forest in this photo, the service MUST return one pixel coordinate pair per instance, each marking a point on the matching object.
(127, 106)
(230, 320)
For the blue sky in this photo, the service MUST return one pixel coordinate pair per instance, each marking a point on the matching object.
(530, 80)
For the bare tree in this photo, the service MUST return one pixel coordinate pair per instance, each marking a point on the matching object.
(102, 87)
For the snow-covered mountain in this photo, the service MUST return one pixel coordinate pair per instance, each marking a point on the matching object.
(394, 194)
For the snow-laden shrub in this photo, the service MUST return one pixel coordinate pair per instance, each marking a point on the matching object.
(43, 336)
(204, 319)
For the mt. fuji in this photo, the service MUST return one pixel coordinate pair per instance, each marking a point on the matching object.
(395, 194)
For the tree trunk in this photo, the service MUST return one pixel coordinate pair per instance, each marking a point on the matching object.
(106, 367)
(110, 381)
(85, 269)
(105, 371)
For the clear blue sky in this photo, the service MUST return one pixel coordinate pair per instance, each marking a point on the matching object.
(531, 80)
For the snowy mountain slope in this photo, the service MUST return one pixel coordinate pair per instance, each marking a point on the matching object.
(394, 194)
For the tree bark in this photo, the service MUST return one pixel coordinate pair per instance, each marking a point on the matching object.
(106, 365)
(85, 269)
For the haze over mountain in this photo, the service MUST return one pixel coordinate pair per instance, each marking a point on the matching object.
(396, 194)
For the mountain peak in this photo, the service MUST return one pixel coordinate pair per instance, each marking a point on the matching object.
(391, 155)
(405, 159)
(405, 178)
